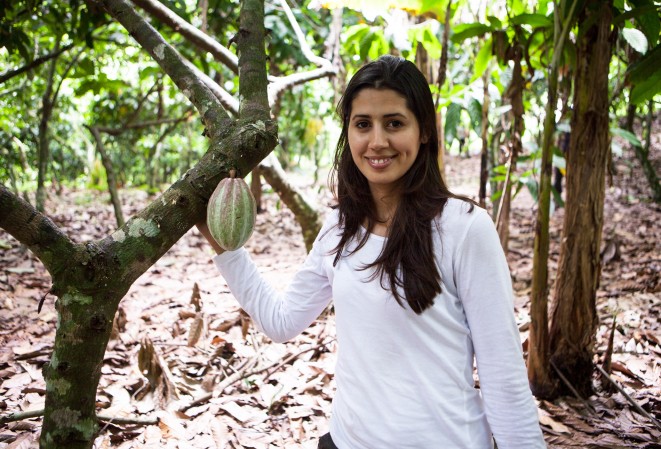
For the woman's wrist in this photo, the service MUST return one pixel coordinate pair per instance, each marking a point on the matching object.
(204, 230)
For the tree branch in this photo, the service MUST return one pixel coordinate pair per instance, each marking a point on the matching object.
(171, 62)
(140, 125)
(190, 33)
(33, 229)
(35, 63)
(278, 87)
(325, 66)
(204, 42)
(253, 81)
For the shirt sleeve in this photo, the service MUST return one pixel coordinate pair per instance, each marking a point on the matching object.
(281, 316)
(485, 288)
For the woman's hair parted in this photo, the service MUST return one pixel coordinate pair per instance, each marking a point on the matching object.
(407, 261)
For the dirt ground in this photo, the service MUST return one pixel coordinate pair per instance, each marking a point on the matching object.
(222, 384)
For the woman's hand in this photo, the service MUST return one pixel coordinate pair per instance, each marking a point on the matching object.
(204, 230)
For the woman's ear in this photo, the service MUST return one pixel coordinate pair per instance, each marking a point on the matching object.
(424, 138)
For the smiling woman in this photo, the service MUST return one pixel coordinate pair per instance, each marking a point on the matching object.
(419, 283)
(384, 137)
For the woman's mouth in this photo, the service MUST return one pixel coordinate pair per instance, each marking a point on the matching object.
(380, 162)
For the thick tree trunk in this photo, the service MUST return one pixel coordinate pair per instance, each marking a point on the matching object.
(307, 216)
(574, 317)
(110, 176)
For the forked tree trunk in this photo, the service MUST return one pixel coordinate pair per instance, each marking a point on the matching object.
(574, 315)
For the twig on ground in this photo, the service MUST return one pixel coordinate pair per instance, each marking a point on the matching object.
(20, 416)
(292, 357)
(635, 405)
(239, 374)
(245, 371)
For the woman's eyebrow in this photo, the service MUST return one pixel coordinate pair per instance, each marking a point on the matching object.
(390, 115)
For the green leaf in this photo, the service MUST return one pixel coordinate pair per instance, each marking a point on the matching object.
(435, 7)
(495, 22)
(501, 169)
(557, 198)
(365, 45)
(431, 43)
(627, 135)
(646, 66)
(452, 119)
(534, 20)
(533, 188)
(468, 30)
(85, 67)
(517, 7)
(645, 75)
(650, 21)
(482, 59)
(646, 90)
(475, 112)
(636, 39)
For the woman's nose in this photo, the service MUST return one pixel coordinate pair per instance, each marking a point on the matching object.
(378, 138)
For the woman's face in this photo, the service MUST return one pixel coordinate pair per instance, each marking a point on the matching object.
(384, 138)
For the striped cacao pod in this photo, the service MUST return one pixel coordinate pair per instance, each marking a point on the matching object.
(231, 213)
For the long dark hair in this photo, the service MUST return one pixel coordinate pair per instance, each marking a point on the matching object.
(406, 262)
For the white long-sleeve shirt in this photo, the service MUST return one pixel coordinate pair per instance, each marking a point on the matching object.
(406, 380)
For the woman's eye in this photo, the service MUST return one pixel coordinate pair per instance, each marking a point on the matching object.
(362, 125)
(395, 124)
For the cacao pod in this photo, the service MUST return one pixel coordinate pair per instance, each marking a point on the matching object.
(231, 213)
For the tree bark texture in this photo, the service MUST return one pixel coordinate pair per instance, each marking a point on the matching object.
(539, 376)
(574, 315)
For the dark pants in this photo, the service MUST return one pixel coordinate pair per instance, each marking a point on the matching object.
(326, 442)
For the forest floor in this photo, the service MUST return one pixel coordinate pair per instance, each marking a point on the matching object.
(222, 384)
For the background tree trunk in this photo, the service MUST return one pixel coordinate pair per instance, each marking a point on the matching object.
(307, 216)
(642, 152)
(47, 104)
(484, 135)
(515, 95)
(574, 317)
(541, 380)
(110, 176)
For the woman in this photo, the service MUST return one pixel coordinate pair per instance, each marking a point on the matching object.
(420, 287)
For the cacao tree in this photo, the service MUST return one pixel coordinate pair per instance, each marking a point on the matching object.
(90, 279)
